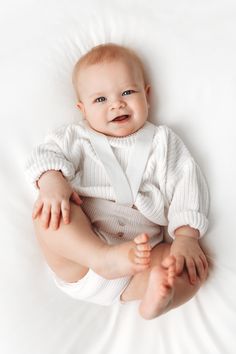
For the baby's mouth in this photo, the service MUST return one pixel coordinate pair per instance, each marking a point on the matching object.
(120, 118)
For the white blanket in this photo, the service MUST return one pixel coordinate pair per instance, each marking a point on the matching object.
(189, 49)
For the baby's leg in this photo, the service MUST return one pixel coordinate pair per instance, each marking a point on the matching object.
(74, 248)
(159, 288)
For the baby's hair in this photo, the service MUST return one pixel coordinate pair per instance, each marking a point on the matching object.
(108, 52)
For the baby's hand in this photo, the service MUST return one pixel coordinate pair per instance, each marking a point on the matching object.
(188, 253)
(54, 198)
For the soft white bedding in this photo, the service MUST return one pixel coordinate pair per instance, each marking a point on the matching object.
(190, 52)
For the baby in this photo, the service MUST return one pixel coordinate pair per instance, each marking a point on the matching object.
(134, 178)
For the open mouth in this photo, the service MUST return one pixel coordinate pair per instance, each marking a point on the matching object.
(121, 118)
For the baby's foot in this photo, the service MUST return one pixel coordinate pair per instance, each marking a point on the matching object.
(160, 291)
(127, 258)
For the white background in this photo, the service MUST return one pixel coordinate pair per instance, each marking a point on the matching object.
(189, 49)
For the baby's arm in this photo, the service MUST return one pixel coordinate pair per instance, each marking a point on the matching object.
(53, 200)
(188, 197)
(50, 167)
(189, 254)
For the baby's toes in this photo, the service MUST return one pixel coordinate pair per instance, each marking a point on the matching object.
(144, 247)
(142, 261)
(142, 257)
(142, 238)
(142, 254)
(142, 250)
(171, 275)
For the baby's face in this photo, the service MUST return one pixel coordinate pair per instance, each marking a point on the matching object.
(113, 97)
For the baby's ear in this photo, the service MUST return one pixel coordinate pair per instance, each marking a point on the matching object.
(80, 105)
(147, 91)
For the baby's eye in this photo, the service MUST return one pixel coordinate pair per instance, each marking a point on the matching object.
(127, 92)
(100, 99)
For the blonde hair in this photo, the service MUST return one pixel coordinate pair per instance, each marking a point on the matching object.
(108, 52)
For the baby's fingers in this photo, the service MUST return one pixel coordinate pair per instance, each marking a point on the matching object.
(192, 272)
(179, 264)
(75, 198)
(65, 210)
(55, 216)
(204, 261)
(37, 208)
(203, 272)
(200, 269)
(45, 215)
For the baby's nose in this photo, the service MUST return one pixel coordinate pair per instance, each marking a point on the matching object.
(116, 104)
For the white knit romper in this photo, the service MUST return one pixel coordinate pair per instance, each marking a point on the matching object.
(115, 222)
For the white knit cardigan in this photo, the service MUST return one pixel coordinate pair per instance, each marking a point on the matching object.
(173, 190)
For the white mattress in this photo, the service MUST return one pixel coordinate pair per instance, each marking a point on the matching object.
(190, 51)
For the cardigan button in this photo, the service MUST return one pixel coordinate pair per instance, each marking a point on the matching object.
(120, 234)
(121, 223)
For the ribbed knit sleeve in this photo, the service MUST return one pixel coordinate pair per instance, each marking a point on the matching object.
(186, 188)
(54, 154)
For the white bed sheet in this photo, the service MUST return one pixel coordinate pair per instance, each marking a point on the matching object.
(190, 52)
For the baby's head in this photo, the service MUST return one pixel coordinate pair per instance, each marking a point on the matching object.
(112, 90)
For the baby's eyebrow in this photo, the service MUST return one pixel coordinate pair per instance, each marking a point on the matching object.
(96, 94)
(130, 85)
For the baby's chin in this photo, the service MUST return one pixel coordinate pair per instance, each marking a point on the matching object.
(121, 132)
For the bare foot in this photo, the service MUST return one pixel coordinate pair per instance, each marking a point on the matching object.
(160, 290)
(127, 258)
